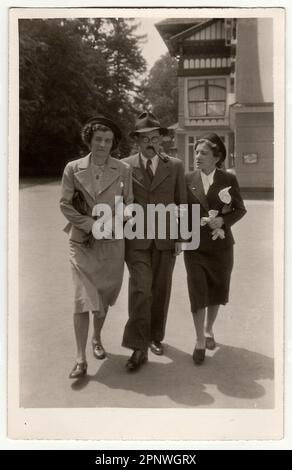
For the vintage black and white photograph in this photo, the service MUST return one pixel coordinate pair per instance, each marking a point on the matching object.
(133, 132)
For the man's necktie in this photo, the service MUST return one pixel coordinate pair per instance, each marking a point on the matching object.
(149, 169)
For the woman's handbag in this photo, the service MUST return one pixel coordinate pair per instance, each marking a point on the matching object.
(79, 203)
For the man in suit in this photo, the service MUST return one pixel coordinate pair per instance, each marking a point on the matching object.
(157, 178)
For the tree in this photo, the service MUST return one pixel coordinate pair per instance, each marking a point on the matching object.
(57, 93)
(161, 91)
(70, 69)
(125, 65)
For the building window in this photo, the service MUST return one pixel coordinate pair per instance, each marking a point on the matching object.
(207, 97)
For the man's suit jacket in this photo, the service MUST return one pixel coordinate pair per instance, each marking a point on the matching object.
(230, 214)
(167, 186)
(77, 177)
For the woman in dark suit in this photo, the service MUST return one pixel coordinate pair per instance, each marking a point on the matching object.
(209, 267)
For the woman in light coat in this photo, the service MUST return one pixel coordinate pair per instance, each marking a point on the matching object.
(96, 253)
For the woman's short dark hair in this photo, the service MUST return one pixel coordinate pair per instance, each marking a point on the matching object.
(215, 144)
(99, 122)
(90, 128)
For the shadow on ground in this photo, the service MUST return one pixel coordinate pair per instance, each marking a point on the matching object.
(26, 183)
(234, 371)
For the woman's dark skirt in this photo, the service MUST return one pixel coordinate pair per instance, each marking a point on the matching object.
(208, 276)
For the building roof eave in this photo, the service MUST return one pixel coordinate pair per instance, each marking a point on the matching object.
(175, 38)
(192, 29)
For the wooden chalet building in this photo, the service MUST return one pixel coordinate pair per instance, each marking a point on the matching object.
(225, 82)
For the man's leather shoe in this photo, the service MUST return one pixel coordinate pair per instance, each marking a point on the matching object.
(210, 342)
(98, 350)
(156, 347)
(137, 359)
(79, 370)
(199, 356)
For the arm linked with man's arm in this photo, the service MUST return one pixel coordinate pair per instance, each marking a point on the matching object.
(180, 199)
(128, 186)
(180, 195)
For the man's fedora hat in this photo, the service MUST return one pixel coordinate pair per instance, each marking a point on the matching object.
(147, 122)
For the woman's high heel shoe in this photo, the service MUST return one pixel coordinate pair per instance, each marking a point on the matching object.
(210, 342)
(79, 370)
(199, 356)
(98, 350)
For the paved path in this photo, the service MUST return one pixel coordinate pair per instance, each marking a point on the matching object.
(238, 374)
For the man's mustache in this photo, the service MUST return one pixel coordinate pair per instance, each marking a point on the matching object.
(150, 147)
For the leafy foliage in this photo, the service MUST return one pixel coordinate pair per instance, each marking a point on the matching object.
(69, 70)
(161, 91)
